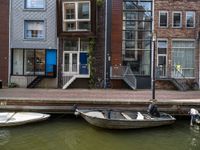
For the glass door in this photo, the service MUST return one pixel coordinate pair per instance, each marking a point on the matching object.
(162, 65)
(71, 62)
(39, 62)
(162, 58)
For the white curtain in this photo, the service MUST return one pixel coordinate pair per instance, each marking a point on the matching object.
(17, 61)
(183, 54)
(34, 3)
(35, 25)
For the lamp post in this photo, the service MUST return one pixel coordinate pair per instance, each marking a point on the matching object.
(153, 65)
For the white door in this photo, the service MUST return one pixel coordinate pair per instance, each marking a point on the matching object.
(70, 63)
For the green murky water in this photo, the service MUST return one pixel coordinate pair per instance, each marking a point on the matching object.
(70, 133)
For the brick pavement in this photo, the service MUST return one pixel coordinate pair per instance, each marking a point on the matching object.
(95, 95)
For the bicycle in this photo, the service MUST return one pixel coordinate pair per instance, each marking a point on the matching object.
(99, 83)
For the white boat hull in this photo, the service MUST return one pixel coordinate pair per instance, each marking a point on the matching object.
(20, 118)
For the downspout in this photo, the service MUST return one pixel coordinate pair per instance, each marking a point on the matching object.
(105, 50)
(152, 45)
(199, 60)
(9, 44)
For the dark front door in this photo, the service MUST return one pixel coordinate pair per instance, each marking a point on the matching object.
(84, 63)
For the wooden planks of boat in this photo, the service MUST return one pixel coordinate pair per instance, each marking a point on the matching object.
(20, 118)
(124, 119)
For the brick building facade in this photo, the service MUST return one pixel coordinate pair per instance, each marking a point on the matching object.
(4, 41)
(121, 33)
(176, 24)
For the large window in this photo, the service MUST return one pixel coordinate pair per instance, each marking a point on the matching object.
(163, 19)
(34, 4)
(190, 19)
(28, 61)
(75, 56)
(177, 19)
(137, 29)
(76, 16)
(183, 58)
(34, 29)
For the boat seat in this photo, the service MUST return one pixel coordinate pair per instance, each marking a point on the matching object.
(96, 114)
(146, 116)
(126, 116)
(139, 116)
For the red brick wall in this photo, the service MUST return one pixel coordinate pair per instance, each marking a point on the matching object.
(116, 38)
(170, 33)
(116, 33)
(4, 40)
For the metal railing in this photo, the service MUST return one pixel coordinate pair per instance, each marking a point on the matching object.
(130, 78)
(125, 73)
(177, 76)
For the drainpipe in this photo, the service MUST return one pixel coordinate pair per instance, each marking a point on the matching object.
(105, 50)
(153, 48)
(9, 44)
(199, 61)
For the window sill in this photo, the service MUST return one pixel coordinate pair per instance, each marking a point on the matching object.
(190, 27)
(163, 27)
(34, 39)
(177, 27)
(35, 9)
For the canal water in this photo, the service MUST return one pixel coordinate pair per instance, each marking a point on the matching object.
(71, 133)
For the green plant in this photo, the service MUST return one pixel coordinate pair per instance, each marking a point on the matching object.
(91, 62)
(99, 2)
(12, 85)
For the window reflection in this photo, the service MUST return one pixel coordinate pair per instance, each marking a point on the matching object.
(29, 62)
(137, 29)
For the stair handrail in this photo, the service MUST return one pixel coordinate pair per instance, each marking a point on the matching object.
(183, 76)
(125, 73)
(129, 75)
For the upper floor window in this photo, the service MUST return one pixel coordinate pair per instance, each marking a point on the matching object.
(76, 16)
(163, 19)
(190, 19)
(34, 29)
(34, 4)
(177, 19)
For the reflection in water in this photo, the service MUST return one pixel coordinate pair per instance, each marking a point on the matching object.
(194, 139)
(70, 133)
(4, 136)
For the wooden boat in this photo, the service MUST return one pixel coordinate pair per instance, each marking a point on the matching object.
(19, 118)
(124, 119)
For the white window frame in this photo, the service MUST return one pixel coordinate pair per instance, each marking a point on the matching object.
(78, 60)
(180, 19)
(167, 19)
(186, 19)
(76, 20)
(190, 40)
(166, 55)
(34, 8)
(70, 59)
(44, 29)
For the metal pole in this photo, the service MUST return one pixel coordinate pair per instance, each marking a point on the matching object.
(153, 63)
(105, 50)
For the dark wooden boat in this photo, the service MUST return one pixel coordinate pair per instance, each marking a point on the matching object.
(124, 119)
